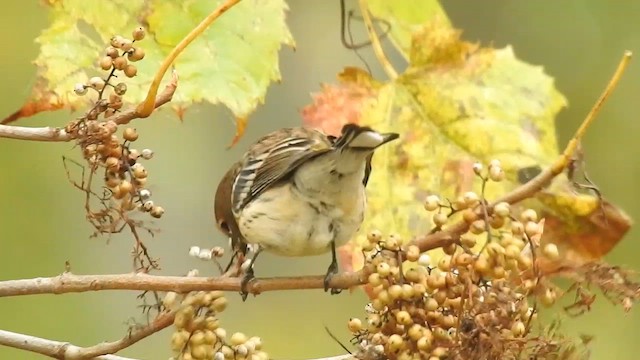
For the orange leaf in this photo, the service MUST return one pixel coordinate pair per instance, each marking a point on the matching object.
(41, 100)
(588, 237)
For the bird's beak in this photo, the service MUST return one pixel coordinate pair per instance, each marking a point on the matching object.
(369, 139)
(388, 137)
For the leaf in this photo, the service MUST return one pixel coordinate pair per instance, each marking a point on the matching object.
(232, 63)
(339, 104)
(457, 104)
(405, 17)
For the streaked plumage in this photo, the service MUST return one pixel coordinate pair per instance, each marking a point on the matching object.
(297, 191)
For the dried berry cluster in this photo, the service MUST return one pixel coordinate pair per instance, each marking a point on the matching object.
(477, 301)
(198, 334)
(125, 177)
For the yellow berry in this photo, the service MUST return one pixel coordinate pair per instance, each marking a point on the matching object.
(477, 227)
(440, 219)
(238, 338)
(106, 63)
(157, 212)
(136, 54)
(528, 215)
(138, 33)
(403, 318)
(97, 83)
(130, 70)
(470, 198)
(518, 328)
(413, 253)
(550, 250)
(120, 63)
(532, 229)
(354, 325)
(469, 216)
(383, 269)
(432, 203)
(130, 134)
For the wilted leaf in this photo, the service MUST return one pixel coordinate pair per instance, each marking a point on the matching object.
(232, 63)
(457, 104)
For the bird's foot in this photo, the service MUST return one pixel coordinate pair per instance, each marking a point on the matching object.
(246, 279)
(331, 271)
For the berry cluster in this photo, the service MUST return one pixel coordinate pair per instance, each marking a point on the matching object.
(473, 302)
(198, 334)
(125, 177)
(116, 58)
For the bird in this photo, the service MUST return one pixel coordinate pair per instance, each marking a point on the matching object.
(298, 192)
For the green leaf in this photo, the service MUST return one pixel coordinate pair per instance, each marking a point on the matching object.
(232, 62)
(405, 17)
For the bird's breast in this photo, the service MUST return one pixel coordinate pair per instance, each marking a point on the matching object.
(289, 222)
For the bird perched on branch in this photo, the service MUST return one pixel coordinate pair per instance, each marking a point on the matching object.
(298, 192)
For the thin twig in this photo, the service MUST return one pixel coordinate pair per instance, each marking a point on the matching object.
(51, 134)
(162, 321)
(375, 41)
(569, 150)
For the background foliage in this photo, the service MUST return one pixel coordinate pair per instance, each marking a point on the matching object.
(42, 224)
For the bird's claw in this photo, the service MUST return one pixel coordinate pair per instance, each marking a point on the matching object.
(246, 279)
(331, 271)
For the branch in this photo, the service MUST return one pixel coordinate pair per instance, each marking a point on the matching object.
(67, 351)
(51, 134)
(71, 283)
(50, 348)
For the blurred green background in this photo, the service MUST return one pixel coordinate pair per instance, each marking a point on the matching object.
(42, 221)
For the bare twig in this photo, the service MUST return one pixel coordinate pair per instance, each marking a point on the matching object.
(51, 134)
(162, 321)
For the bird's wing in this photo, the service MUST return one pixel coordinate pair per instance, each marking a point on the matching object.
(274, 157)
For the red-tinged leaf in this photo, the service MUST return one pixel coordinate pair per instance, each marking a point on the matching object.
(339, 104)
(43, 102)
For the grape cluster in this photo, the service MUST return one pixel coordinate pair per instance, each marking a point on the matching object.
(198, 334)
(125, 176)
(474, 299)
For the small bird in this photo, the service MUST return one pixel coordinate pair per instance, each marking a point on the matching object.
(298, 192)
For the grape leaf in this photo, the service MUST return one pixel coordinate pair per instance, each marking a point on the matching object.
(232, 62)
(458, 103)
